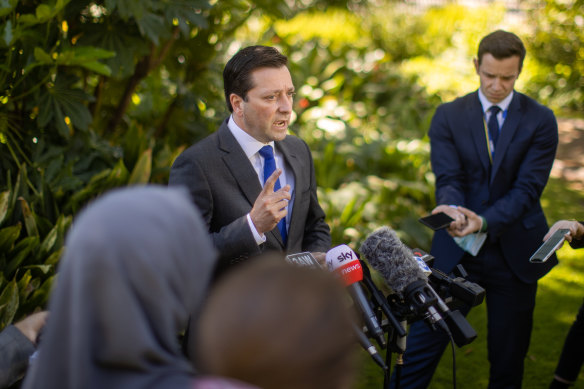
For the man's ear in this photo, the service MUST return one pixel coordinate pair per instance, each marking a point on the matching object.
(237, 104)
(475, 61)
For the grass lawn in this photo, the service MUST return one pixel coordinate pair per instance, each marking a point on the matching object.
(560, 294)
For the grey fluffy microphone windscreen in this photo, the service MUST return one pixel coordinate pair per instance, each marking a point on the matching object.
(392, 259)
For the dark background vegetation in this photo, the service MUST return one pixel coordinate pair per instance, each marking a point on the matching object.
(102, 94)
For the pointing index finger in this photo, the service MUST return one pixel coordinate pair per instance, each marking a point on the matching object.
(271, 181)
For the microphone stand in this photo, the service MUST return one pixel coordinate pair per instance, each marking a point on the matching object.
(395, 343)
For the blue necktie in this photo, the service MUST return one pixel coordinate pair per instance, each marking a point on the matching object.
(494, 125)
(269, 167)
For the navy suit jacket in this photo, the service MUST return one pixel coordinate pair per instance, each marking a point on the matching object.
(506, 192)
(224, 186)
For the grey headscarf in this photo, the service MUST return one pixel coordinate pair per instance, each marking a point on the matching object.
(137, 263)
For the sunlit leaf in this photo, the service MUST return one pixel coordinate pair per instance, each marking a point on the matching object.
(54, 258)
(42, 56)
(43, 268)
(49, 241)
(21, 251)
(142, 170)
(4, 201)
(8, 236)
(29, 218)
(8, 303)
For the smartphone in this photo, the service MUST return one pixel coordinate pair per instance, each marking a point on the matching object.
(548, 247)
(436, 221)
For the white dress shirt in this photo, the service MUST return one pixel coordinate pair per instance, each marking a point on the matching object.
(251, 148)
(503, 104)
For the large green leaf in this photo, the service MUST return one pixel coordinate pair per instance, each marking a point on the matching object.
(42, 56)
(24, 285)
(49, 241)
(86, 56)
(142, 170)
(21, 251)
(8, 236)
(4, 201)
(62, 100)
(8, 303)
(120, 38)
(29, 218)
(184, 12)
(100, 182)
(54, 258)
(152, 26)
(7, 6)
(43, 13)
(128, 8)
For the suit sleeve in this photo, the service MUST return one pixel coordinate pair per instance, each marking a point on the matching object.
(577, 243)
(531, 179)
(446, 163)
(234, 240)
(317, 236)
(15, 350)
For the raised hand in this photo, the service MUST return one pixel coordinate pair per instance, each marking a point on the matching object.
(459, 220)
(270, 206)
(576, 229)
(473, 223)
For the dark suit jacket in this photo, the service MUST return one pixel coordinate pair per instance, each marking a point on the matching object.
(15, 350)
(224, 186)
(507, 193)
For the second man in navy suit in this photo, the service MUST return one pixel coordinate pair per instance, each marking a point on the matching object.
(491, 167)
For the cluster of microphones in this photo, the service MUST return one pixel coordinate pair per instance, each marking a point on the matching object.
(419, 292)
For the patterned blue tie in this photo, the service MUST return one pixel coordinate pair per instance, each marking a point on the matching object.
(494, 125)
(269, 167)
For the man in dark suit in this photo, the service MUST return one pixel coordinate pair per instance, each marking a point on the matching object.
(247, 208)
(491, 166)
(572, 356)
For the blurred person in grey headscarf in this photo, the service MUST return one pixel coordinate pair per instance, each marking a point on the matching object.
(137, 263)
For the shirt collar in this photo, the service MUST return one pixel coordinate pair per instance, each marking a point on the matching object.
(503, 104)
(248, 143)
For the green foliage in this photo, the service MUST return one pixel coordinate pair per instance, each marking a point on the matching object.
(557, 46)
(96, 95)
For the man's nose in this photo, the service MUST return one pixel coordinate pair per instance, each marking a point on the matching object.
(285, 103)
(497, 83)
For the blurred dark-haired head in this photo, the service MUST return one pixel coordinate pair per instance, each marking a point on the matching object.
(277, 326)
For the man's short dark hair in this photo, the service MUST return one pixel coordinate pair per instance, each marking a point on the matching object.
(502, 44)
(237, 72)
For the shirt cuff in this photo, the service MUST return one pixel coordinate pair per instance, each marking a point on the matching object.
(259, 238)
(483, 225)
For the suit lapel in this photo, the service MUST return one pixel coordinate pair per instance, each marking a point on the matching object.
(477, 128)
(238, 163)
(507, 132)
(292, 162)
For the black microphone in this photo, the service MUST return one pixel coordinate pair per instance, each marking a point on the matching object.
(396, 264)
(305, 259)
(381, 301)
(344, 262)
(369, 347)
